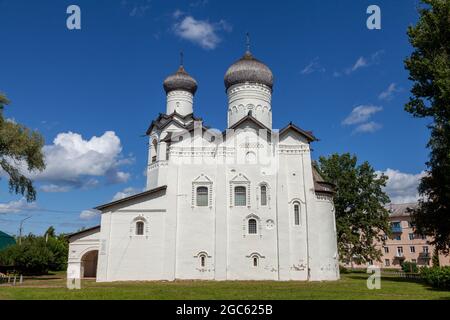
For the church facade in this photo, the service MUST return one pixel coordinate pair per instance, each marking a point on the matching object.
(245, 203)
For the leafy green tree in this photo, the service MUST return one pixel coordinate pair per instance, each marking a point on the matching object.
(19, 144)
(429, 69)
(361, 216)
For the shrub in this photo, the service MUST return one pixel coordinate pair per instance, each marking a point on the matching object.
(342, 269)
(409, 267)
(437, 277)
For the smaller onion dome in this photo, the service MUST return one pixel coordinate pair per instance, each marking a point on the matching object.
(248, 69)
(180, 80)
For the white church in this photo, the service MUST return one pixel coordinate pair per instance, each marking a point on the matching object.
(243, 204)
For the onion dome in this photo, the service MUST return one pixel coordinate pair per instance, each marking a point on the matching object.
(180, 80)
(248, 69)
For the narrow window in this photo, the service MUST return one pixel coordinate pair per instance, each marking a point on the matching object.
(255, 261)
(387, 262)
(263, 196)
(139, 228)
(386, 249)
(202, 197)
(252, 226)
(297, 214)
(412, 249)
(240, 196)
(202, 261)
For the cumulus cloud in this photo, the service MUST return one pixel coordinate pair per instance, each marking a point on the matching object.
(73, 162)
(402, 187)
(361, 114)
(16, 206)
(89, 214)
(313, 66)
(200, 32)
(128, 192)
(389, 93)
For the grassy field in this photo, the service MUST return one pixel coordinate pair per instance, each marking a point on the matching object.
(350, 287)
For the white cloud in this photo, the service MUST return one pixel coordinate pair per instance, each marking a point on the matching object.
(200, 32)
(363, 62)
(89, 214)
(128, 192)
(402, 187)
(16, 206)
(361, 114)
(389, 93)
(72, 162)
(368, 127)
(137, 8)
(312, 67)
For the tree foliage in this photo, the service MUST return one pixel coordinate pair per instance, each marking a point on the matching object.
(37, 255)
(19, 145)
(359, 203)
(429, 69)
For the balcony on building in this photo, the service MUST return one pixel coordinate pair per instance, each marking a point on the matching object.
(396, 227)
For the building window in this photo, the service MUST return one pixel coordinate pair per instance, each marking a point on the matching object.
(400, 251)
(202, 261)
(411, 236)
(425, 249)
(139, 228)
(370, 262)
(387, 262)
(386, 249)
(412, 249)
(153, 159)
(202, 196)
(255, 261)
(252, 226)
(398, 238)
(297, 214)
(263, 196)
(240, 196)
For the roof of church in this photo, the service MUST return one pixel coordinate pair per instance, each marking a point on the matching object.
(307, 134)
(180, 80)
(320, 185)
(249, 117)
(248, 69)
(164, 120)
(82, 231)
(136, 196)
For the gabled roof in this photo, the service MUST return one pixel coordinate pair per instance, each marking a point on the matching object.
(69, 236)
(165, 120)
(6, 240)
(307, 134)
(136, 196)
(250, 117)
(189, 128)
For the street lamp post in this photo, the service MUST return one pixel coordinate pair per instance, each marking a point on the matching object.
(21, 228)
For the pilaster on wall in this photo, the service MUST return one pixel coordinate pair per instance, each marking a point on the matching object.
(221, 225)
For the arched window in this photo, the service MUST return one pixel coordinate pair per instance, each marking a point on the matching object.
(252, 226)
(297, 214)
(263, 196)
(202, 197)
(202, 261)
(139, 228)
(255, 261)
(240, 196)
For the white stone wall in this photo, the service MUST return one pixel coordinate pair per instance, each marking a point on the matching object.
(180, 101)
(79, 246)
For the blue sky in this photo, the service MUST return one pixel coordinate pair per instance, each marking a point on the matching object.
(99, 88)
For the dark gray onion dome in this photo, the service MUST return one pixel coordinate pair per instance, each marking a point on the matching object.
(248, 69)
(180, 80)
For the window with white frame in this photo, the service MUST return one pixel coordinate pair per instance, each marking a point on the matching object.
(252, 226)
(386, 249)
(296, 213)
(412, 249)
(263, 195)
(202, 196)
(140, 225)
(255, 261)
(240, 196)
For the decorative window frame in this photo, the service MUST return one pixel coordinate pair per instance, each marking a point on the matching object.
(240, 180)
(140, 218)
(258, 195)
(302, 208)
(258, 226)
(202, 181)
(254, 255)
(198, 257)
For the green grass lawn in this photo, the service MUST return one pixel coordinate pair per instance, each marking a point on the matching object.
(351, 286)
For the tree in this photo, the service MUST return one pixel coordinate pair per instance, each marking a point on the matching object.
(429, 69)
(19, 145)
(361, 216)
